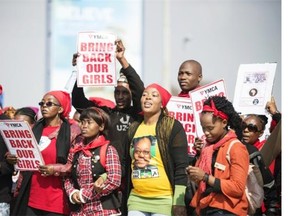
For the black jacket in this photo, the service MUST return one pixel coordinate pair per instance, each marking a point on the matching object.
(6, 171)
(270, 195)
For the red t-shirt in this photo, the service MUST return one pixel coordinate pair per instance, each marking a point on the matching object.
(47, 193)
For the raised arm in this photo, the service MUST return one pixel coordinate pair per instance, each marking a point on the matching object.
(135, 83)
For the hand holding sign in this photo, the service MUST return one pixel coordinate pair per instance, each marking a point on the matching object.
(22, 145)
(11, 158)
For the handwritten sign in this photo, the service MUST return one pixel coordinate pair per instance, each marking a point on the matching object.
(96, 64)
(199, 95)
(181, 109)
(20, 141)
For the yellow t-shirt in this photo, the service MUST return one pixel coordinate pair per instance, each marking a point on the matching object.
(148, 174)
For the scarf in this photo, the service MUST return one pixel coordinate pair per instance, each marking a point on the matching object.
(62, 138)
(183, 94)
(97, 142)
(205, 160)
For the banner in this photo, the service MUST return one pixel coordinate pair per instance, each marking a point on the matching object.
(20, 141)
(97, 63)
(199, 95)
(254, 88)
(181, 109)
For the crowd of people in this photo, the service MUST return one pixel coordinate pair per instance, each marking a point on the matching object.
(130, 157)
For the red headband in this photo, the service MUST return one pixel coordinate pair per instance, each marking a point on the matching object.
(212, 108)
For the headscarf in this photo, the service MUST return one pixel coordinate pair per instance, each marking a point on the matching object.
(64, 100)
(165, 95)
(216, 112)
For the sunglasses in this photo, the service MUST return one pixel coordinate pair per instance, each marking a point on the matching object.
(250, 127)
(48, 104)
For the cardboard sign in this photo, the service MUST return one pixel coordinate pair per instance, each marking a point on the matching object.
(181, 109)
(20, 141)
(96, 64)
(254, 87)
(199, 95)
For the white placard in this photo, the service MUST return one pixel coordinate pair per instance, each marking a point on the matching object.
(254, 87)
(181, 109)
(96, 64)
(199, 95)
(20, 141)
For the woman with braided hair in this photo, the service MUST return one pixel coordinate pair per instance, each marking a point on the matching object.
(159, 190)
(221, 185)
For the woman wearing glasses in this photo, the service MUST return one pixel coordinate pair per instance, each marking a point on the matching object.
(41, 192)
(252, 129)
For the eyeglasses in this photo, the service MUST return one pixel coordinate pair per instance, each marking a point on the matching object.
(250, 127)
(48, 104)
(140, 151)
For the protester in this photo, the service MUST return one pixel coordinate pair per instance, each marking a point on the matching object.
(29, 115)
(162, 192)
(129, 89)
(253, 128)
(41, 192)
(189, 77)
(76, 117)
(26, 114)
(221, 185)
(6, 171)
(86, 168)
(276, 118)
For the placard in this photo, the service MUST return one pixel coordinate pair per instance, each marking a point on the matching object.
(181, 109)
(20, 141)
(96, 63)
(254, 88)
